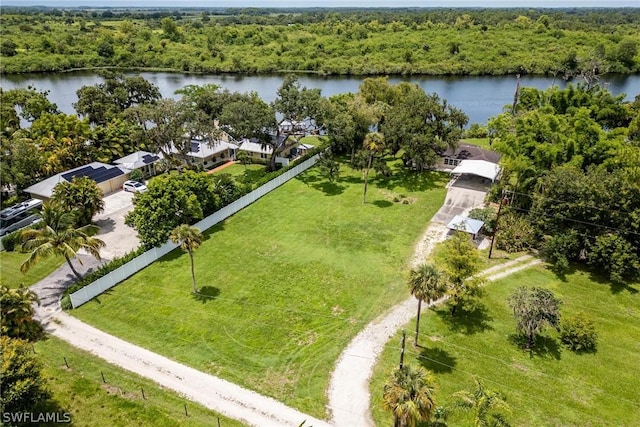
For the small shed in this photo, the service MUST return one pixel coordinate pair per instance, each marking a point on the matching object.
(466, 224)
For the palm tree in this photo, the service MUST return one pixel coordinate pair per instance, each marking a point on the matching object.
(16, 312)
(408, 393)
(189, 239)
(426, 284)
(373, 143)
(485, 404)
(58, 237)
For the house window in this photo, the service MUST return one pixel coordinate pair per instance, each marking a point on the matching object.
(450, 162)
(263, 156)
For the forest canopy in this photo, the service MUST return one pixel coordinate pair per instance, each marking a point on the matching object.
(325, 41)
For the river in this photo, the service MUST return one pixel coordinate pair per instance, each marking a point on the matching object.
(480, 97)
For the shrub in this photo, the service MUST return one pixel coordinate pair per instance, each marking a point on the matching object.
(515, 233)
(487, 215)
(560, 249)
(578, 333)
(103, 270)
(136, 175)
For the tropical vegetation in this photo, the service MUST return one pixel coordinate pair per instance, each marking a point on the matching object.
(58, 237)
(484, 344)
(189, 239)
(435, 41)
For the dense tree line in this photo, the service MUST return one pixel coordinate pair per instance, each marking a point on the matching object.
(572, 174)
(325, 41)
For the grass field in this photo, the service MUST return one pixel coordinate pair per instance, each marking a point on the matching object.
(551, 386)
(12, 277)
(79, 391)
(287, 283)
(239, 171)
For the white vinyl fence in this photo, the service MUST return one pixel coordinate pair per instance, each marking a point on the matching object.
(118, 275)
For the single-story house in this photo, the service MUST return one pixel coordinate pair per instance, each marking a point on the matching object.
(142, 160)
(108, 177)
(452, 158)
(209, 155)
(255, 149)
(468, 225)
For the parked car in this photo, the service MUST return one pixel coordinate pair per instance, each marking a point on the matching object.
(134, 186)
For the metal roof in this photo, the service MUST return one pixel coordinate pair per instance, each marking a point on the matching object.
(463, 223)
(477, 167)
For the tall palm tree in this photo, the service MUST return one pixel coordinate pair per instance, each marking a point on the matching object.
(373, 143)
(58, 237)
(189, 239)
(426, 283)
(485, 404)
(408, 393)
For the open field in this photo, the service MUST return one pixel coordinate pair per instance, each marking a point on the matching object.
(12, 277)
(79, 390)
(285, 283)
(550, 386)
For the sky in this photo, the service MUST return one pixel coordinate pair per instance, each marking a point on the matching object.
(327, 3)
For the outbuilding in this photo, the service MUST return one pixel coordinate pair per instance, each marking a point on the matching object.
(466, 224)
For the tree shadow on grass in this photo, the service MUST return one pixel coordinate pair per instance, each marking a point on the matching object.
(382, 203)
(437, 360)
(469, 321)
(543, 346)
(329, 188)
(411, 180)
(206, 294)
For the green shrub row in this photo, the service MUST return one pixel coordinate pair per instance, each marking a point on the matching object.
(101, 271)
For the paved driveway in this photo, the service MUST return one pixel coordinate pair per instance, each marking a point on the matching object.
(119, 237)
(465, 193)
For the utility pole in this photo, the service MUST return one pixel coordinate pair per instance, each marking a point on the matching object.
(503, 202)
(404, 336)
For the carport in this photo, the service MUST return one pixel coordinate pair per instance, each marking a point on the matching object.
(480, 168)
(466, 224)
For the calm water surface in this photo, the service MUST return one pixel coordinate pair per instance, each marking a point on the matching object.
(480, 97)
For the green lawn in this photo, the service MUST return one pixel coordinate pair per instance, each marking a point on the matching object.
(551, 386)
(238, 171)
(291, 280)
(79, 391)
(11, 276)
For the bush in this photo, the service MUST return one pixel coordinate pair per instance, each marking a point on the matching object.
(477, 131)
(515, 233)
(136, 175)
(103, 270)
(560, 249)
(11, 240)
(578, 333)
(487, 215)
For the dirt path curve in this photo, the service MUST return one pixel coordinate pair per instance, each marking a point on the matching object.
(349, 394)
(214, 393)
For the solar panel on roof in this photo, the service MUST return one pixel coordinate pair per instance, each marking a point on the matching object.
(195, 147)
(148, 158)
(80, 172)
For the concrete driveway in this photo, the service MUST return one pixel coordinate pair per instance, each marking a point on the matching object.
(465, 193)
(119, 237)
